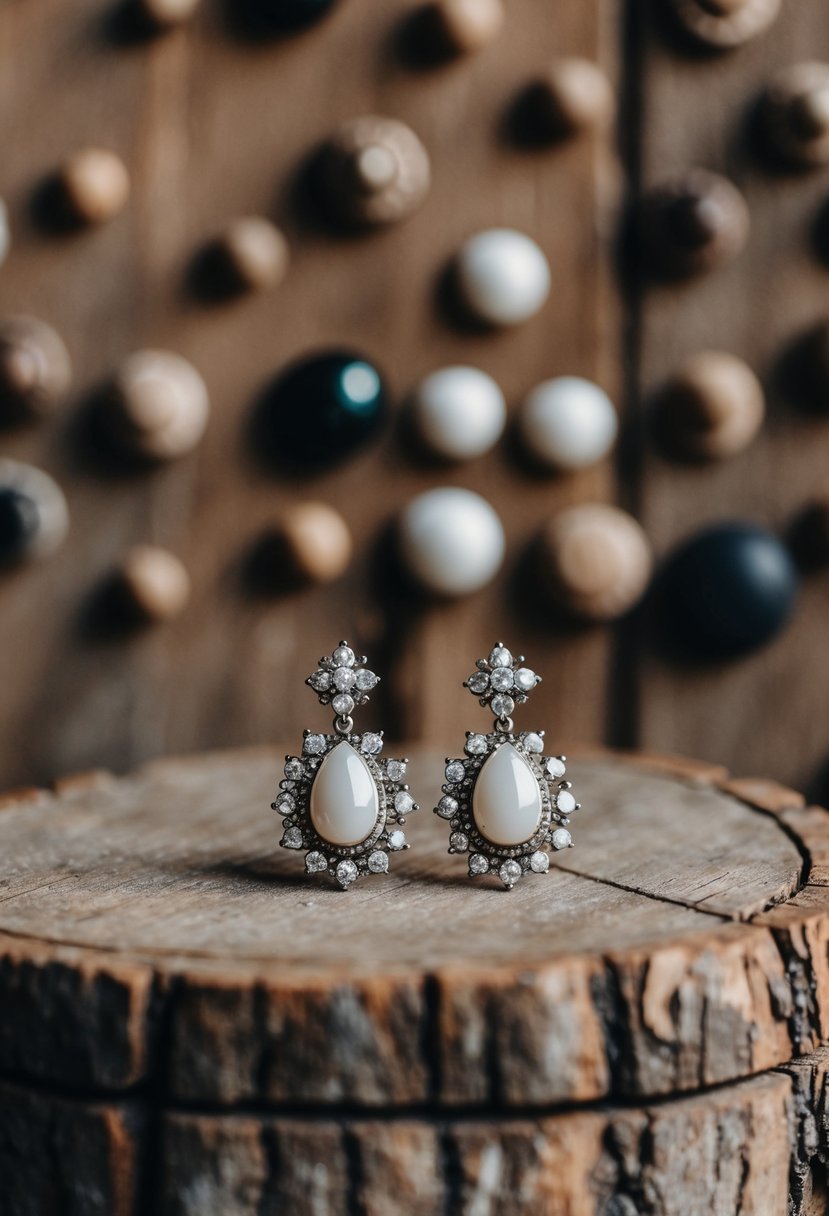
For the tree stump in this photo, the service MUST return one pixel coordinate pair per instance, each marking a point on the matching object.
(191, 1026)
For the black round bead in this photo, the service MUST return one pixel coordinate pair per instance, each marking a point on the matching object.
(323, 409)
(19, 523)
(273, 17)
(728, 590)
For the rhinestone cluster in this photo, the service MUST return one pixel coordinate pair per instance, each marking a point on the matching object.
(502, 681)
(347, 863)
(342, 680)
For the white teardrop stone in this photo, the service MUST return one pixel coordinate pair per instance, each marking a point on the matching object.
(344, 799)
(506, 802)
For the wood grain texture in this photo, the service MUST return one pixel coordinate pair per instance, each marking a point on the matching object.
(700, 110)
(151, 930)
(212, 126)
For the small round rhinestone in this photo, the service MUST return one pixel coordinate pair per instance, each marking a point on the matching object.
(343, 703)
(403, 802)
(539, 862)
(500, 657)
(315, 863)
(285, 803)
(555, 767)
(565, 802)
(397, 840)
(478, 864)
(502, 705)
(533, 742)
(476, 745)
(343, 656)
(502, 679)
(346, 873)
(396, 769)
(365, 679)
(378, 862)
(371, 744)
(478, 682)
(320, 680)
(459, 841)
(510, 872)
(314, 745)
(455, 772)
(447, 807)
(292, 838)
(525, 679)
(344, 679)
(293, 769)
(561, 839)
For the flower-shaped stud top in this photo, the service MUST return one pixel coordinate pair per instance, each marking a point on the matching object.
(502, 681)
(342, 680)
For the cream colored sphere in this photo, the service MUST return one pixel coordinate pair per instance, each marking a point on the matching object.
(503, 277)
(568, 423)
(459, 412)
(451, 541)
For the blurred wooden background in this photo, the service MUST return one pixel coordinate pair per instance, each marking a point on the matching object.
(212, 125)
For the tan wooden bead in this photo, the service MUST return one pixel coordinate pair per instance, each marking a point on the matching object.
(711, 408)
(154, 583)
(693, 223)
(595, 560)
(254, 253)
(166, 13)
(374, 171)
(158, 405)
(35, 368)
(315, 541)
(574, 96)
(796, 111)
(464, 26)
(95, 185)
(724, 24)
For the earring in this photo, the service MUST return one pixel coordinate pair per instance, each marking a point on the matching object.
(504, 799)
(339, 800)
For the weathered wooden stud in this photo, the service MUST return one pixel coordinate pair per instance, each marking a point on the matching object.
(464, 26)
(373, 171)
(157, 406)
(796, 111)
(152, 584)
(251, 254)
(35, 369)
(165, 14)
(711, 408)
(724, 24)
(692, 224)
(94, 185)
(312, 545)
(594, 561)
(573, 97)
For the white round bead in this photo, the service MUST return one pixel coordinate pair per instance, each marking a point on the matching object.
(568, 423)
(502, 276)
(459, 412)
(451, 540)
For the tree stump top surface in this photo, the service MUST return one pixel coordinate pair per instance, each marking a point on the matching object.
(181, 860)
(152, 921)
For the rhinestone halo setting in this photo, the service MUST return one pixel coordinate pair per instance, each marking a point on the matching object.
(500, 682)
(344, 681)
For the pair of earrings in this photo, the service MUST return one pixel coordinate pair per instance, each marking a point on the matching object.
(504, 800)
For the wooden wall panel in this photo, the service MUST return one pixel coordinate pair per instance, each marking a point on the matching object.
(767, 712)
(211, 126)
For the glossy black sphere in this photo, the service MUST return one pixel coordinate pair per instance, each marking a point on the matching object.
(323, 409)
(728, 590)
(19, 523)
(273, 17)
